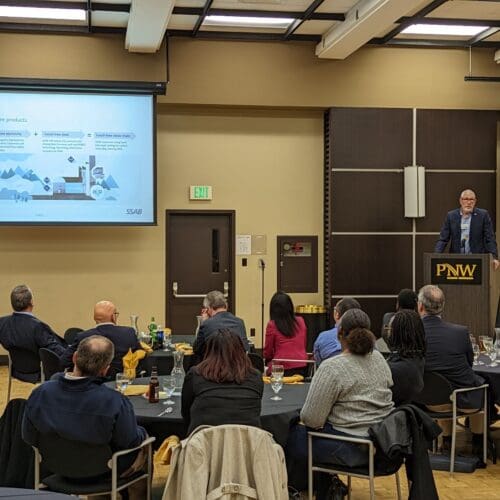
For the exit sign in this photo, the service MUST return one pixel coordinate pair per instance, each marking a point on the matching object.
(200, 192)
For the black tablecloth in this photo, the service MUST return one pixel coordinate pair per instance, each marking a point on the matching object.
(164, 360)
(38, 494)
(492, 376)
(276, 416)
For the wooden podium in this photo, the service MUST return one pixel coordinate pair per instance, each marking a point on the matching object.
(467, 283)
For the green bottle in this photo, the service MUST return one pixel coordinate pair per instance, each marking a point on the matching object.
(153, 327)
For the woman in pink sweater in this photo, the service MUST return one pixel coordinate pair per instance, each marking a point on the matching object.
(286, 335)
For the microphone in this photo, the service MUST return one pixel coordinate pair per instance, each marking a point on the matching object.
(463, 245)
(262, 264)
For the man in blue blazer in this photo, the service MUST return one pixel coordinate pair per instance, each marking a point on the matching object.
(468, 230)
(122, 337)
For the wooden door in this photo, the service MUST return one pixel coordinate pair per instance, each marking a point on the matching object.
(200, 258)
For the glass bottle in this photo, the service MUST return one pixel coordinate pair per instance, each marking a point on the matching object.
(153, 327)
(134, 323)
(154, 386)
(178, 372)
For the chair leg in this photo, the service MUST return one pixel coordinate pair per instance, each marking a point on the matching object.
(9, 387)
(453, 444)
(398, 486)
(372, 488)
(349, 487)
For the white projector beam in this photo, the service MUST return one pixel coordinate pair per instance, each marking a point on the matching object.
(364, 21)
(147, 24)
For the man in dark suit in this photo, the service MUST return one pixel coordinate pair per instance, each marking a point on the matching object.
(216, 317)
(22, 330)
(122, 337)
(468, 230)
(449, 352)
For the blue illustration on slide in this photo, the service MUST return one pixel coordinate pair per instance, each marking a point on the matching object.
(21, 185)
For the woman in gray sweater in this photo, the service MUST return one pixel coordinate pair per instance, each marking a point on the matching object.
(349, 393)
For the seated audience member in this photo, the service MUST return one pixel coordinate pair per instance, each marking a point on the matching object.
(22, 330)
(216, 316)
(122, 337)
(449, 352)
(348, 394)
(286, 335)
(77, 406)
(327, 344)
(405, 337)
(224, 388)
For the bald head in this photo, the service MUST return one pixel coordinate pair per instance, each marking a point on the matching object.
(430, 300)
(105, 312)
(93, 356)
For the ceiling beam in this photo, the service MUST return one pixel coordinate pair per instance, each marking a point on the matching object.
(483, 35)
(243, 36)
(448, 21)
(306, 16)
(202, 17)
(147, 24)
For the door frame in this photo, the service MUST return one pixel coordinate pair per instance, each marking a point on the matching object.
(232, 255)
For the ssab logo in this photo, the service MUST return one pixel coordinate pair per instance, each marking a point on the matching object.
(456, 271)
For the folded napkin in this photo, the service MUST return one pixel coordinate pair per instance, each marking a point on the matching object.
(147, 348)
(184, 347)
(294, 379)
(130, 362)
(164, 453)
(136, 390)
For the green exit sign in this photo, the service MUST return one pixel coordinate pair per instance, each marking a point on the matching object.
(200, 192)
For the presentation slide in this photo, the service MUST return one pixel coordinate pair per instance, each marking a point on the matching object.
(76, 158)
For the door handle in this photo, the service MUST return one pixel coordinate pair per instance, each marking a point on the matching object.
(175, 289)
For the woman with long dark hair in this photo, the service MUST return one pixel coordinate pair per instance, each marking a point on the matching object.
(405, 337)
(224, 388)
(286, 335)
(349, 393)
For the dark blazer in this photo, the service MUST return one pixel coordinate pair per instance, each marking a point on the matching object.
(449, 352)
(25, 331)
(208, 403)
(123, 338)
(408, 378)
(219, 321)
(481, 237)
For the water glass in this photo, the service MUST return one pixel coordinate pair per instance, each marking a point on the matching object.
(167, 341)
(276, 385)
(168, 386)
(476, 351)
(277, 371)
(493, 356)
(122, 382)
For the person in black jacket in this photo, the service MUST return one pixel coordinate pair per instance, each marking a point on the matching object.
(449, 352)
(405, 338)
(224, 388)
(22, 330)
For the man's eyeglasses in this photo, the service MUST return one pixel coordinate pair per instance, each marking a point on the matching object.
(116, 314)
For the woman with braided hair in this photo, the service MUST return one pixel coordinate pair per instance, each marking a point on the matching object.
(405, 337)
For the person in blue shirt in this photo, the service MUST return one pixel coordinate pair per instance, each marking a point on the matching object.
(327, 344)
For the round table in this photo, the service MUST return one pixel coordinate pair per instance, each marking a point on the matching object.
(275, 416)
(163, 360)
(36, 494)
(491, 374)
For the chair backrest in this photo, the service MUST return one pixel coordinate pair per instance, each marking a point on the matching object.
(73, 459)
(257, 361)
(24, 361)
(436, 391)
(71, 333)
(50, 362)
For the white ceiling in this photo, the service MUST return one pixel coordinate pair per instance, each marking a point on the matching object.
(339, 27)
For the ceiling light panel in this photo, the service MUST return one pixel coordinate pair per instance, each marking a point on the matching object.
(42, 13)
(443, 30)
(248, 22)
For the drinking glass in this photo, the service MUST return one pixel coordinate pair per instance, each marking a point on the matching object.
(122, 382)
(493, 356)
(476, 351)
(167, 341)
(277, 371)
(168, 385)
(276, 385)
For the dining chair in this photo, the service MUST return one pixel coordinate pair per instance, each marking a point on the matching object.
(20, 362)
(50, 363)
(72, 463)
(71, 333)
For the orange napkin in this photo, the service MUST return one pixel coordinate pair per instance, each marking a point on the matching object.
(294, 379)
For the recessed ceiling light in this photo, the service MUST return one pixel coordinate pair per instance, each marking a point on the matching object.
(443, 29)
(248, 22)
(43, 13)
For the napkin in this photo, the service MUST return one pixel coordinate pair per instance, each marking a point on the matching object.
(184, 347)
(164, 453)
(147, 348)
(294, 379)
(130, 362)
(136, 390)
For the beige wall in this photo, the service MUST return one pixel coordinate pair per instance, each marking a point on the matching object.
(226, 121)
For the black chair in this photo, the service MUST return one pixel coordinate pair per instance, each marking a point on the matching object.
(71, 333)
(257, 361)
(24, 365)
(75, 463)
(370, 472)
(50, 363)
(438, 391)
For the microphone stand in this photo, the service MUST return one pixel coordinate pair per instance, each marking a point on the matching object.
(262, 266)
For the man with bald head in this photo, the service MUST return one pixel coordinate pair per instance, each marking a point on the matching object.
(468, 230)
(122, 337)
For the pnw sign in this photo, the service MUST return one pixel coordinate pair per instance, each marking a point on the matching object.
(456, 271)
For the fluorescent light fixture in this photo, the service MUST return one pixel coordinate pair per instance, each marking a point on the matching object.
(43, 13)
(248, 22)
(443, 29)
